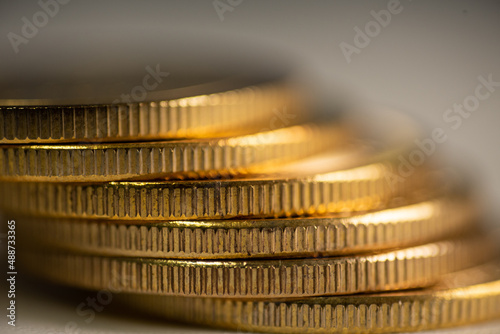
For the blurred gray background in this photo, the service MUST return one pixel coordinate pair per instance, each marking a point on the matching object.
(425, 60)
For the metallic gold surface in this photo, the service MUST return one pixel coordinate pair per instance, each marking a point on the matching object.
(360, 188)
(214, 115)
(439, 307)
(413, 267)
(172, 159)
(400, 226)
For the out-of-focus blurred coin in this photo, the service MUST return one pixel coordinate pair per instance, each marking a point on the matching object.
(446, 305)
(167, 159)
(412, 267)
(176, 113)
(400, 226)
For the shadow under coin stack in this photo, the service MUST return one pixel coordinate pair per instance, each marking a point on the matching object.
(235, 210)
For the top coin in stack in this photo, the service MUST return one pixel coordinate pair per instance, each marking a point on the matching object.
(223, 108)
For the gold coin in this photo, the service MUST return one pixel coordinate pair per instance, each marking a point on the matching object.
(399, 226)
(268, 106)
(443, 306)
(172, 159)
(405, 268)
(358, 188)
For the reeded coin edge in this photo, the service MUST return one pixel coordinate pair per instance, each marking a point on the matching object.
(357, 189)
(413, 267)
(198, 116)
(294, 237)
(347, 314)
(153, 160)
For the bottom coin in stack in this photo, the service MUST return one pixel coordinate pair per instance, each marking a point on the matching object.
(463, 298)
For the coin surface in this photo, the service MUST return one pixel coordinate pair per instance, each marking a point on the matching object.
(166, 159)
(446, 305)
(400, 226)
(244, 110)
(405, 268)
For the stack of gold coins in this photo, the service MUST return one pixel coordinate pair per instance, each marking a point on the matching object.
(239, 210)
